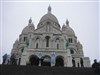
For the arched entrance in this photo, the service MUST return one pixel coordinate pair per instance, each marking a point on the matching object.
(59, 61)
(34, 60)
(46, 61)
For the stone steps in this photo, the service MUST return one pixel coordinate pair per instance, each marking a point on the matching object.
(34, 70)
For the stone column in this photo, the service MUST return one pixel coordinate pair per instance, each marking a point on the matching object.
(65, 61)
(69, 58)
(30, 43)
(23, 59)
(23, 56)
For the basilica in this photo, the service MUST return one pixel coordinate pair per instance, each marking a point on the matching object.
(49, 44)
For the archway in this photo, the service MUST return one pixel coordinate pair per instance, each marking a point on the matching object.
(59, 61)
(46, 61)
(34, 60)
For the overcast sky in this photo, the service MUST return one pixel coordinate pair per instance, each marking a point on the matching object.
(83, 18)
(49, 0)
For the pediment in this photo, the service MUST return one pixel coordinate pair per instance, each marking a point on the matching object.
(48, 29)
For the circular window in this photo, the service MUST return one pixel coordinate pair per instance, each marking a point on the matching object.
(48, 22)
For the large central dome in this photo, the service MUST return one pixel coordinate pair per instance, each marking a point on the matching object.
(50, 16)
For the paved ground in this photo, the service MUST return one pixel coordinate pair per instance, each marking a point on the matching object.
(33, 70)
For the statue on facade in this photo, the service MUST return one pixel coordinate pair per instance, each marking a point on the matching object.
(66, 42)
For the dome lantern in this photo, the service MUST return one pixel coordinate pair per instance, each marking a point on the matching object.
(67, 22)
(49, 9)
(30, 20)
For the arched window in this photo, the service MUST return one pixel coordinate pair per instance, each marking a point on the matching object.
(37, 42)
(37, 38)
(70, 40)
(57, 38)
(57, 46)
(47, 41)
(25, 38)
(22, 49)
(57, 42)
(71, 51)
(37, 45)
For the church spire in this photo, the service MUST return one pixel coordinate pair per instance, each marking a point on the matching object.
(49, 9)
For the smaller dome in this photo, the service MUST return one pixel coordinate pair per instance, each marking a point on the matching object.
(29, 28)
(68, 30)
(25, 30)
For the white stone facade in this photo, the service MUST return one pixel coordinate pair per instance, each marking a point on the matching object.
(49, 39)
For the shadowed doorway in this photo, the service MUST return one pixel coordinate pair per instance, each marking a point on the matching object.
(59, 61)
(34, 60)
(46, 61)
